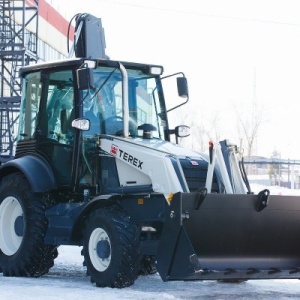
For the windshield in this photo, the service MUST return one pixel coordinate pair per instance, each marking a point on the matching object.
(102, 104)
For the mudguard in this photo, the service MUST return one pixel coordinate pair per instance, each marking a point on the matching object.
(225, 236)
(36, 170)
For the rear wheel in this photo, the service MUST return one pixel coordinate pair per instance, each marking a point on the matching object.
(47, 259)
(22, 229)
(111, 248)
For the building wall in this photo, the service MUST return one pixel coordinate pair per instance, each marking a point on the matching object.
(52, 32)
(51, 28)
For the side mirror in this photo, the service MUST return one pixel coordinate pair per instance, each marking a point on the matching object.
(81, 124)
(182, 131)
(182, 87)
(85, 78)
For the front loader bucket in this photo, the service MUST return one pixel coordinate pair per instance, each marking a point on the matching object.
(230, 237)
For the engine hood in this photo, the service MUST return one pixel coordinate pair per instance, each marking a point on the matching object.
(170, 148)
(166, 167)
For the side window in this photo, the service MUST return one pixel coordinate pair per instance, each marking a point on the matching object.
(30, 103)
(60, 106)
(148, 110)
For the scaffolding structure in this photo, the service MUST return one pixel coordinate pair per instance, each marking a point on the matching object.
(18, 47)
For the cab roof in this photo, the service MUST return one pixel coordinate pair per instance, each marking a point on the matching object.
(78, 62)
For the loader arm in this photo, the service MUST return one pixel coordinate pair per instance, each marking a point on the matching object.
(140, 164)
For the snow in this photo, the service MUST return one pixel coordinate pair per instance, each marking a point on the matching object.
(275, 190)
(67, 279)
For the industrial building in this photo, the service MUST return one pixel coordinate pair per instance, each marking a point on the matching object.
(31, 31)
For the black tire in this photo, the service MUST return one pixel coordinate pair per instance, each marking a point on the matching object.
(148, 265)
(47, 260)
(111, 248)
(22, 230)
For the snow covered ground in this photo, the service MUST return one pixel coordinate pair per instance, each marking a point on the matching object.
(68, 280)
(275, 190)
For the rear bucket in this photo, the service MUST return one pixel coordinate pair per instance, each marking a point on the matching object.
(230, 236)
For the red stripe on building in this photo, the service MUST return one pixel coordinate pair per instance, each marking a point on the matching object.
(53, 17)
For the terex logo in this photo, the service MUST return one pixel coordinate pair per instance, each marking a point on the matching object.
(131, 159)
(114, 150)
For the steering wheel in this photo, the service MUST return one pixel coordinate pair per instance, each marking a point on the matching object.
(113, 125)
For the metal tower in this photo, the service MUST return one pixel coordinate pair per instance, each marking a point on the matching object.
(18, 47)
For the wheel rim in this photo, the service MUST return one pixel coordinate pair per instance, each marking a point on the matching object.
(100, 249)
(10, 212)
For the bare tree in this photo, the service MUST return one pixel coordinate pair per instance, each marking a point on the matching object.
(213, 126)
(248, 126)
(203, 128)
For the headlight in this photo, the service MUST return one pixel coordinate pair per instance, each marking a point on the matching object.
(156, 70)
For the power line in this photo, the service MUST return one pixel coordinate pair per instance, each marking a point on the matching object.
(197, 13)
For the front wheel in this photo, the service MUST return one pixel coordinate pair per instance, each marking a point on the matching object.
(111, 248)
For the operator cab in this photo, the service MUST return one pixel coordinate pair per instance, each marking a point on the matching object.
(64, 114)
(113, 99)
(103, 96)
(103, 103)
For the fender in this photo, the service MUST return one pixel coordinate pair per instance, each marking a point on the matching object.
(37, 171)
(66, 220)
(97, 202)
(140, 208)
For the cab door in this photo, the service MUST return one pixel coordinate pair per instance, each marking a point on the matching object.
(56, 138)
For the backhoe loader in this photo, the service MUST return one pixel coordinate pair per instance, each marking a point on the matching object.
(95, 167)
